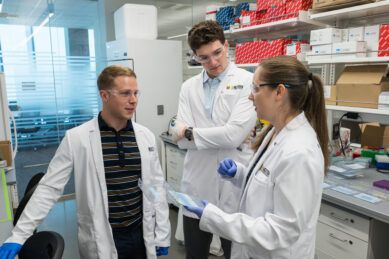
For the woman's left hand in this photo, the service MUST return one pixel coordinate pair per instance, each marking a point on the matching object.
(197, 210)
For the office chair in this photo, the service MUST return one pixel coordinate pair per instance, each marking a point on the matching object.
(31, 186)
(43, 245)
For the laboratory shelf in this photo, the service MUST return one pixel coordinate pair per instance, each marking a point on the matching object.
(354, 12)
(349, 61)
(356, 109)
(298, 25)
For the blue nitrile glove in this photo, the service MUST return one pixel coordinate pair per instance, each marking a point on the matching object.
(227, 168)
(9, 250)
(161, 250)
(197, 210)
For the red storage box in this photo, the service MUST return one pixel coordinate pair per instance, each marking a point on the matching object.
(384, 41)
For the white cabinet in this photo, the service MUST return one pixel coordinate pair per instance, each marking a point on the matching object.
(174, 165)
(341, 234)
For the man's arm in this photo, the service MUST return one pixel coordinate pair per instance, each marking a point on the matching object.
(185, 115)
(48, 191)
(233, 133)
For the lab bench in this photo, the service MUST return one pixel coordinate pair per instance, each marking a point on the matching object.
(348, 227)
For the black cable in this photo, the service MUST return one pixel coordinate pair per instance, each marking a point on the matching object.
(340, 138)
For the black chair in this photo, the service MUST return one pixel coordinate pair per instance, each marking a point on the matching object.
(43, 245)
(31, 186)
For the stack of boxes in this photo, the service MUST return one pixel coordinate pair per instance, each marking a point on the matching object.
(256, 51)
(358, 42)
(226, 16)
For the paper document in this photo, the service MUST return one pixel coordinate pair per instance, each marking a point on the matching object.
(5, 209)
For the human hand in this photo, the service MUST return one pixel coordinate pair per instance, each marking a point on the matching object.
(161, 250)
(197, 210)
(9, 250)
(178, 130)
(227, 168)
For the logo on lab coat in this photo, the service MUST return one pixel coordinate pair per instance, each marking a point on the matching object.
(265, 171)
(234, 87)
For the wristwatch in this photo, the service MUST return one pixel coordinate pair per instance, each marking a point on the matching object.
(188, 133)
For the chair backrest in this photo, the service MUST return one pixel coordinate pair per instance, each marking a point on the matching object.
(31, 186)
(33, 181)
(43, 245)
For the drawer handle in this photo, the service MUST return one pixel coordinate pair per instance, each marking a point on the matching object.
(332, 214)
(337, 238)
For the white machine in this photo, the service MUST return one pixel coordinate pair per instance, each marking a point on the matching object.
(5, 134)
(158, 67)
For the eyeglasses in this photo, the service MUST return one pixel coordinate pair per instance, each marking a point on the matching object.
(206, 58)
(125, 94)
(256, 87)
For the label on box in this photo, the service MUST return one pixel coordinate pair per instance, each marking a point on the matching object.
(344, 190)
(366, 197)
(327, 91)
(246, 20)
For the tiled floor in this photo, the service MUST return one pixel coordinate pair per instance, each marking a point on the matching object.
(62, 219)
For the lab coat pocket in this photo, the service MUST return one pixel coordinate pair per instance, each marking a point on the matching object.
(260, 191)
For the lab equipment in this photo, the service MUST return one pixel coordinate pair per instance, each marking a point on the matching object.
(382, 161)
(179, 198)
(384, 184)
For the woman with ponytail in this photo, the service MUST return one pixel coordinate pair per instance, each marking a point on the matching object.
(282, 185)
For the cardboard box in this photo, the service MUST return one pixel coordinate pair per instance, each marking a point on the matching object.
(384, 41)
(374, 135)
(6, 151)
(349, 49)
(356, 34)
(335, 4)
(330, 94)
(360, 86)
(325, 36)
(372, 36)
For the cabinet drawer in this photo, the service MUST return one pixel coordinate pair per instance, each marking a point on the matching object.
(335, 244)
(345, 221)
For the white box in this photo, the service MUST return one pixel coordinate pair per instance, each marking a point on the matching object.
(349, 49)
(292, 49)
(345, 34)
(356, 34)
(325, 36)
(321, 52)
(136, 22)
(372, 35)
(383, 101)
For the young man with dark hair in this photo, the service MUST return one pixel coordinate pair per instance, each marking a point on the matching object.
(214, 118)
(108, 155)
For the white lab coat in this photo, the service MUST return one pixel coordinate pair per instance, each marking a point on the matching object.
(215, 139)
(277, 213)
(80, 151)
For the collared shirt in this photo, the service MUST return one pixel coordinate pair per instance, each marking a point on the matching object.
(210, 87)
(122, 165)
